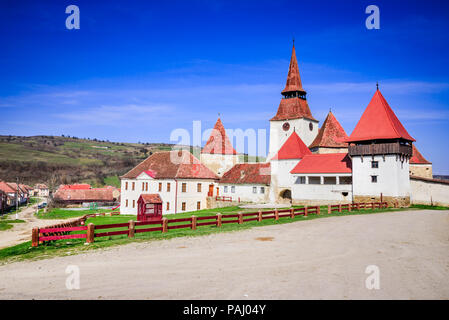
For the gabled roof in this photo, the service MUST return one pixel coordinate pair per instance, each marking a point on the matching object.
(293, 148)
(417, 157)
(81, 186)
(150, 198)
(150, 173)
(176, 164)
(378, 122)
(331, 134)
(324, 163)
(13, 186)
(96, 194)
(293, 108)
(248, 173)
(6, 187)
(218, 142)
(293, 77)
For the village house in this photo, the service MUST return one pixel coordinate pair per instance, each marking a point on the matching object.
(419, 166)
(41, 190)
(83, 194)
(182, 182)
(11, 194)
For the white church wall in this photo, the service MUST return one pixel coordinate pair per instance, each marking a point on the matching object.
(219, 163)
(257, 193)
(429, 192)
(324, 192)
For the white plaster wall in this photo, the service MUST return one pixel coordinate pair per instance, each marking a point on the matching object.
(219, 163)
(281, 178)
(190, 197)
(392, 176)
(423, 192)
(245, 192)
(278, 136)
(301, 192)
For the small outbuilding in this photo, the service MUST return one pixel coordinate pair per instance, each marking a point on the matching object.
(149, 207)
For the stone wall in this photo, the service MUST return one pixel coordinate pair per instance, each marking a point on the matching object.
(392, 201)
(429, 191)
(421, 170)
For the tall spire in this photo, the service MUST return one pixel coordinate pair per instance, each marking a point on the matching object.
(218, 142)
(293, 84)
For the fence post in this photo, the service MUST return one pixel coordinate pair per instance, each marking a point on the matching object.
(259, 216)
(218, 219)
(35, 237)
(240, 218)
(318, 210)
(193, 222)
(276, 214)
(131, 229)
(329, 209)
(339, 207)
(372, 205)
(306, 209)
(90, 235)
(292, 213)
(164, 225)
(350, 207)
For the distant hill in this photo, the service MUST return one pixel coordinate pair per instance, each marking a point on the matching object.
(55, 160)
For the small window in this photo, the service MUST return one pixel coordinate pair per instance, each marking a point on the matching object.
(198, 205)
(143, 186)
(232, 189)
(134, 203)
(330, 180)
(374, 164)
(374, 179)
(168, 187)
(314, 180)
(198, 187)
(126, 185)
(127, 202)
(184, 187)
(134, 186)
(254, 189)
(345, 180)
(183, 206)
(168, 206)
(160, 186)
(262, 189)
(225, 189)
(301, 180)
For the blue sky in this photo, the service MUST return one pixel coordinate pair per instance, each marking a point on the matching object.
(136, 70)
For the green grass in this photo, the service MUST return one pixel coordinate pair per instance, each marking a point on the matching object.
(66, 214)
(427, 207)
(75, 246)
(6, 224)
(112, 181)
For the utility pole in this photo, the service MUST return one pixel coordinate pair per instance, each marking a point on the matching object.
(17, 199)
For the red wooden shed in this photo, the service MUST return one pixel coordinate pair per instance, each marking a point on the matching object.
(149, 207)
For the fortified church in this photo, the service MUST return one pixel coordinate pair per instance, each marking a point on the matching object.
(306, 164)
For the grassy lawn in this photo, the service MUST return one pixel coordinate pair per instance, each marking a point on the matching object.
(6, 224)
(66, 214)
(75, 246)
(427, 207)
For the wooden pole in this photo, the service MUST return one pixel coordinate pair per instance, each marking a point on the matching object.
(292, 213)
(276, 214)
(350, 207)
(306, 209)
(317, 210)
(131, 228)
(240, 218)
(90, 235)
(193, 222)
(329, 209)
(35, 237)
(259, 216)
(218, 219)
(164, 225)
(339, 207)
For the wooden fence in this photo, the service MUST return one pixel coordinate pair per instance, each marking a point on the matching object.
(59, 232)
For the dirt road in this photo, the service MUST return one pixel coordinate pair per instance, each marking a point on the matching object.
(316, 259)
(21, 232)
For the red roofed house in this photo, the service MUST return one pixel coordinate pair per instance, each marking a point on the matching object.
(331, 137)
(293, 112)
(322, 178)
(380, 148)
(419, 166)
(248, 182)
(218, 154)
(292, 151)
(182, 182)
(10, 192)
(102, 196)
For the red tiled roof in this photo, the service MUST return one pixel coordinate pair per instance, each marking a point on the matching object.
(96, 194)
(378, 122)
(248, 173)
(6, 187)
(218, 142)
(176, 164)
(417, 157)
(293, 148)
(82, 186)
(293, 108)
(13, 186)
(331, 134)
(324, 163)
(151, 173)
(150, 198)
(293, 77)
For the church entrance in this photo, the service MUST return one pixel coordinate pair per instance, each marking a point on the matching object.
(285, 195)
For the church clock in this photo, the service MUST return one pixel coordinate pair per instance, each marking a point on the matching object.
(286, 126)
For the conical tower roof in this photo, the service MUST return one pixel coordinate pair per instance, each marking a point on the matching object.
(293, 148)
(293, 77)
(331, 134)
(379, 122)
(218, 142)
(417, 157)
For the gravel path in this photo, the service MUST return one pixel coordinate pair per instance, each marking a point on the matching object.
(316, 259)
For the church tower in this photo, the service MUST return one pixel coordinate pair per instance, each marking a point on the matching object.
(380, 148)
(293, 113)
(218, 154)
